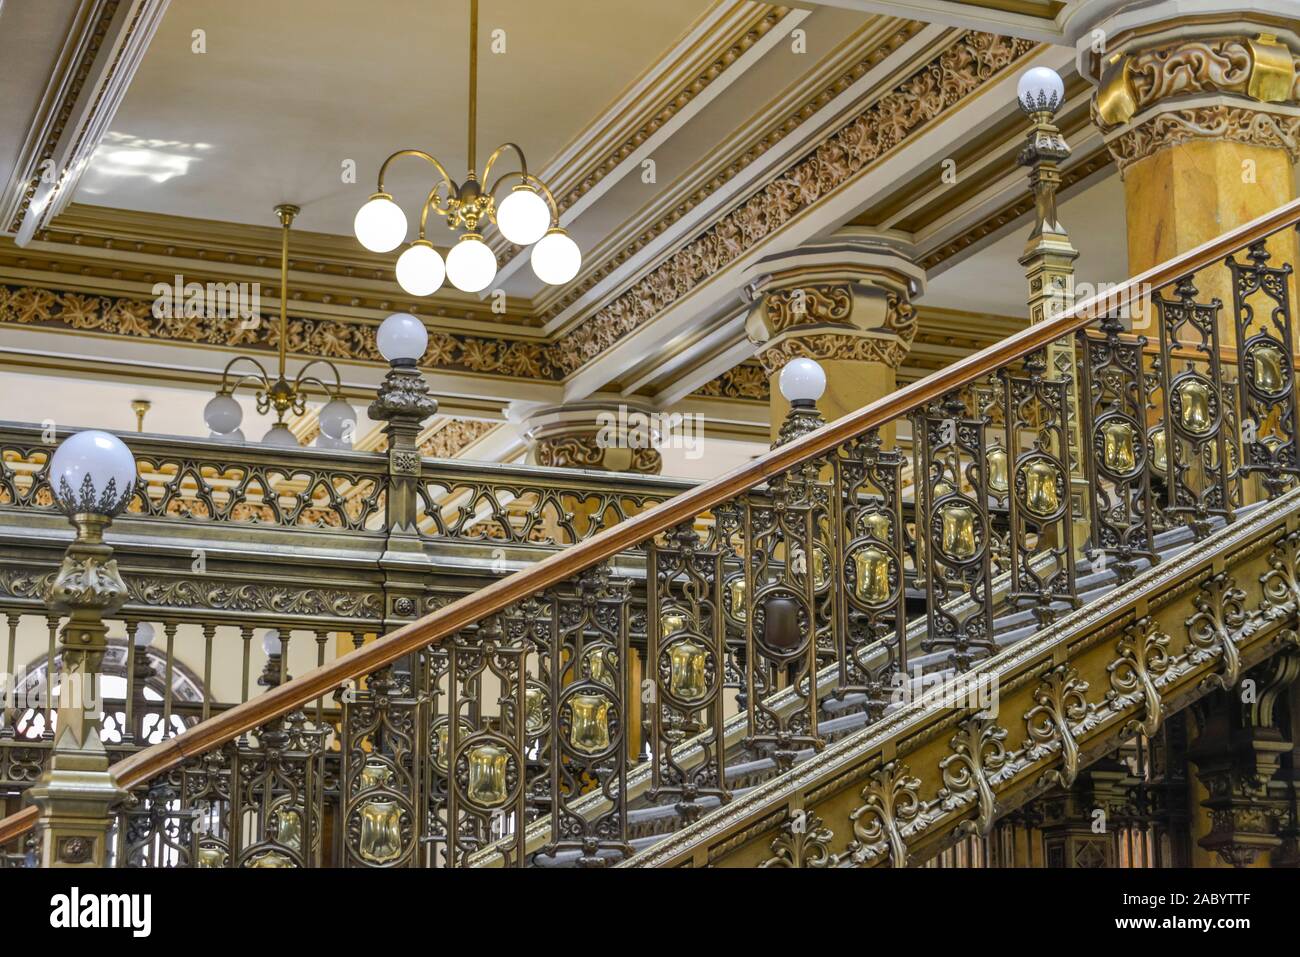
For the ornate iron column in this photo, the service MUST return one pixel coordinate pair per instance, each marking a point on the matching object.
(1048, 261)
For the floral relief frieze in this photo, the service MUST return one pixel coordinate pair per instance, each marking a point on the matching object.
(334, 339)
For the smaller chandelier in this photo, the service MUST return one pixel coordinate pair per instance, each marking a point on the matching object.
(337, 418)
(527, 216)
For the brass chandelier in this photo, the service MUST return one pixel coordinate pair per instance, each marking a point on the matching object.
(223, 412)
(528, 215)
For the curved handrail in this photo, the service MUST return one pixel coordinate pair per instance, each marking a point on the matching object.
(437, 625)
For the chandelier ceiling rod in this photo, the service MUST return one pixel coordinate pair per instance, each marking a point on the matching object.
(473, 91)
(527, 216)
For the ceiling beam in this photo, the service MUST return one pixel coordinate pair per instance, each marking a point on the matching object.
(100, 55)
(1039, 20)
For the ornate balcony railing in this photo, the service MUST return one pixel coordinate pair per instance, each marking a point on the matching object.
(223, 542)
(549, 719)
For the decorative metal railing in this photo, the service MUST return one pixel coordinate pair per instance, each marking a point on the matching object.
(212, 550)
(221, 483)
(548, 719)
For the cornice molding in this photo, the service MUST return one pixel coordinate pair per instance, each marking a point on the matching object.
(942, 336)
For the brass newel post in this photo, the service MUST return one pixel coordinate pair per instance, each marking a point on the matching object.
(404, 403)
(1048, 261)
(93, 476)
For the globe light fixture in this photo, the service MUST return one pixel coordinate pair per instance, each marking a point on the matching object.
(523, 217)
(223, 413)
(802, 382)
(271, 643)
(471, 264)
(337, 419)
(527, 214)
(556, 258)
(402, 339)
(420, 270)
(93, 473)
(1040, 90)
(280, 436)
(380, 224)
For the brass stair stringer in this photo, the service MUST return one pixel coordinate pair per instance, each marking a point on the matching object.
(902, 789)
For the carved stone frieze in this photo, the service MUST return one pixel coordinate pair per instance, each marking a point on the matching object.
(451, 437)
(584, 451)
(853, 348)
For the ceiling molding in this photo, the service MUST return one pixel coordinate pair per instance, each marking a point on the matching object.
(100, 56)
(727, 41)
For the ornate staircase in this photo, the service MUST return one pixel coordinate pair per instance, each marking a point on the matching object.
(865, 647)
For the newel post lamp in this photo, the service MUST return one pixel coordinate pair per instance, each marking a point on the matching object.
(802, 382)
(404, 403)
(93, 476)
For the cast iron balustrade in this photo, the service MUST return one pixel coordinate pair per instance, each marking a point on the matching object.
(551, 718)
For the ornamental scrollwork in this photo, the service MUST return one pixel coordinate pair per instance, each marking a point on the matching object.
(891, 799)
(1060, 703)
(1143, 658)
(1220, 612)
(978, 754)
(803, 841)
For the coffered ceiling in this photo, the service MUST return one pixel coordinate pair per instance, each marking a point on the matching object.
(685, 141)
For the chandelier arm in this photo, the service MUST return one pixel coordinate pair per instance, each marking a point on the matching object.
(496, 155)
(260, 377)
(427, 157)
(301, 379)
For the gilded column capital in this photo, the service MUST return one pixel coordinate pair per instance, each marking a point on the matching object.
(845, 298)
(1226, 76)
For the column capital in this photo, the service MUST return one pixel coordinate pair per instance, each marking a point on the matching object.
(1176, 72)
(612, 435)
(848, 297)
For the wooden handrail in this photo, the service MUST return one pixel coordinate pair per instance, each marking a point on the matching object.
(437, 625)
